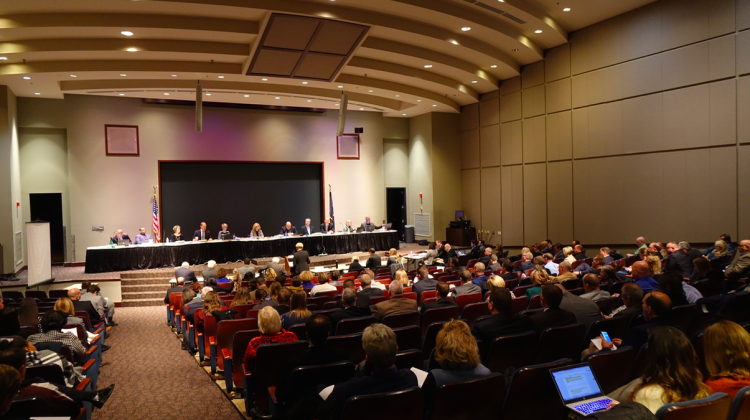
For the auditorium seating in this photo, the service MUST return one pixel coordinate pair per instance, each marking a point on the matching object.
(463, 300)
(234, 356)
(715, 406)
(473, 311)
(511, 351)
(301, 379)
(225, 331)
(560, 343)
(532, 394)
(409, 337)
(351, 343)
(401, 319)
(609, 367)
(269, 362)
(406, 404)
(741, 405)
(438, 314)
(441, 404)
(354, 325)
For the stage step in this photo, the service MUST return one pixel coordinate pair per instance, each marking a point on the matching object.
(143, 302)
(160, 287)
(146, 281)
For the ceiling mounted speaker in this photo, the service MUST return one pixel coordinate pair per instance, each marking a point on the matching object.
(342, 114)
(198, 108)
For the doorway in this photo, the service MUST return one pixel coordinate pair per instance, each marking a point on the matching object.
(47, 207)
(395, 203)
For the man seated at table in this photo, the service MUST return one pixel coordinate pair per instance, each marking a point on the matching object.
(327, 226)
(224, 233)
(368, 226)
(288, 229)
(202, 234)
(142, 237)
(307, 229)
(119, 236)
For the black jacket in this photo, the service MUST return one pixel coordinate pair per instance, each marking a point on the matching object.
(374, 263)
(301, 261)
(440, 303)
(350, 312)
(499, 325)
(552, 318)
(177, 289)
(86, 306)
(186, 273)
(679, 261)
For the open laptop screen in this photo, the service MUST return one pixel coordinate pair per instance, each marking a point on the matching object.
(576, 383)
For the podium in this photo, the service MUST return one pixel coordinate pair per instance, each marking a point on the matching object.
(457, 236)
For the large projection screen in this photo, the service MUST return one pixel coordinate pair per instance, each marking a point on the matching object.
(239, 194)
(39, 252)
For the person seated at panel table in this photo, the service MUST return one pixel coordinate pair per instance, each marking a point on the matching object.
(224, 233)
(119, 236)
(327, 226)
(256, 233)
(368, 226)
(348, 226)
(177, 235)
(288, 229)
(142, 237)
(307, 229)
(202, 234)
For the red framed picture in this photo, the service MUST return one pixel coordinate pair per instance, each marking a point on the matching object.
(121, 140)
(347, 146)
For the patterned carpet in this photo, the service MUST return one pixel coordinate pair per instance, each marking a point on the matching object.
(154, 378)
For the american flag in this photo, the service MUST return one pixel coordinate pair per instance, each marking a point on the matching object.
(155, 219)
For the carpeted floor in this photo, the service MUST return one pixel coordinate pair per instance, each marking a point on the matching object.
(154, 378)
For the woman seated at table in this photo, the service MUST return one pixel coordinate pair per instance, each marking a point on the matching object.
(269, 324)
(177, 235)
(298, 312)
(256, 233)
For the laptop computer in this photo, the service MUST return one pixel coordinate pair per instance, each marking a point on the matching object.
(123, 242)
(579, 389)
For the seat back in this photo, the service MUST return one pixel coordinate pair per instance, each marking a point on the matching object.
(519, 303)
(560, 343)
(351, 343)
(683, 316)
(303, 378)
(536, 302)
(300, 330)
(406, 405)
(50, 373)
(409, 338)
(252, 313)
(269, 366)
(716, 406)
(408, 359)
(463, 300)
(225, 331)
(473, 311)
(511, 351)
(328, 311)
(317, 300)
(374, 300)
(615, 327)
(401, 319)
(85, 317)
(612, 368)
(572, 284)
(209, 330)
(444, 405)
(533, 395)
(242, 309)
(430, 338)
(15, 295)
(741, 405)
(438, 314)
(36, 294)
(58, 293)
(354, 325)
(639, 366)
(240, 341)
(427, 294)
(607, 305)
(520, 291)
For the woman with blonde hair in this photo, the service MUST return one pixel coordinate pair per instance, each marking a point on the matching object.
(211, 304)
(242, 297)
(392, 257)
(568, 252)
(66, 305)
(720, 249)
(496, 282)
(654, 264)
(402, 277)
(298, 312)
(307, 277)
(256, 233)
(269, 324)
(176, 235)
(727, 349)
(457, 353)
(270, 274)
(539, 278)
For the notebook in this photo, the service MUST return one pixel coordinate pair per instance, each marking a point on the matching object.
(579, 389)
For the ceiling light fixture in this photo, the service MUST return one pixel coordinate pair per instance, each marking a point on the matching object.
(336, 104)
(131, 50)
(494, 66)
(166, 94)
(473, 81)
(277, 97)
(340, 86)
(466, 28)
(264, 79)
(3, 58)
(174, 75)
(403, 114)
(398, 96)
(127, 33)
(73, 75)
(247, 96)
(37, 93)
(309, 100)
(428, 66)
(121, 94)
(208, 94)
(26, 77)
(538, 31)
(434, 105)
(370, 90)
(304, 83)
(454, 42)
(419, 100)
(567, 9)
(123, 74)
(221, 77)
(361, 109)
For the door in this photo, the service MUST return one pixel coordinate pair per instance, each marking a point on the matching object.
(48, 208)
(395, 203)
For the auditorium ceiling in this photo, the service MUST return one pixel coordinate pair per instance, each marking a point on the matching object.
(399, 57)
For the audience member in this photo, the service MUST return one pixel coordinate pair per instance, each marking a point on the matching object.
(72, 375)
(704, 271)
(671, 285)
(641, 276)
(351, 309)
(269, 324)
(10, 386)
(566, 272)
(52, 324)
(355, 265)
(301, 260)
(28, 314)
(298, 312)
(284, 298)
(591, 286)
(539, 278)
(678, 260)
(396, 302)
(247, 267)
(323, 285)
(423, 282)
(443, 289)
(632, 299)
(578, 252)
(194, 303)
(466, 287)
(568, 253)
(550, 264)
(74, 295)
(179, 287)
(306, 277)
(402, 277)
(445, 252)
(740, 266)
(65, 305)
(727, 352)
(496, 282)
(526, 262)
(552, 316)
(211, 305)
(586, 311)
(210, 271)
(392, 257)
(654, 265)
(272, 298)
(494, 263)
(374, 262)
(486, 257)
(720, 250)
(506, 271)
(501, 321)
(480, 280)
(242, 297)
(656, 310)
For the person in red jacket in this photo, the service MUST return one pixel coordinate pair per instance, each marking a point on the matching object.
(727, 350)
(269, 324)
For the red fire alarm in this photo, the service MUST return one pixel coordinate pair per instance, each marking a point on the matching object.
(18, 204)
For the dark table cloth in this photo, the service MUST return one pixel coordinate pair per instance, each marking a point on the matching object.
(104, 259)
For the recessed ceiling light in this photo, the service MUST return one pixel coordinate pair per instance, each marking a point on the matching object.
(473, 81)
(419, 100)
(538, 31)
(277, 97)
(309, 100)
(174, 75)
(122, 94)
(26, 77)
(221, 77)
(340, 86)
(127, 33)
(398, 96)
(428, 66)
(494, 66)
(454, 42)
(264, 79)
(361, 109)
(403, 114)
(501, 1)
(304, 83)
(37, 93)
(73, 75)
(434, 105)
(567, 9)
(466, 28)
(131, 50)
(3, 58)
(336, 104)
(370, 90)
(247, 96)
(166, 94)
(208, 94)
(123, 74)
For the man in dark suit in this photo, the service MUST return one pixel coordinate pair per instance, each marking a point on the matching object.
(578, 252)
(632, 297)
(502, 321)
(656, 309)
(301, 260)
(84, 306)
(211, 271)
(307, 229)
(526, 262)
(552, 316)
(327, 226)
(486, 257)
(288, 229)
(351, 309)
(446, 253)
(604, 252)
(355, 265)
(425, 283)
(367, 291)
(396, 302)
(368, 226)
(374, 262)
(507, 272)
(177, 289)
(185, 272)
(119, 236)
(586, 311)
(678, 260)
(202, 234)
(443, 302)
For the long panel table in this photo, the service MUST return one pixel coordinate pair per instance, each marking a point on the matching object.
(138, 257)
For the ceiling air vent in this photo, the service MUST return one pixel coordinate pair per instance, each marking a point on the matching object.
(496, 10)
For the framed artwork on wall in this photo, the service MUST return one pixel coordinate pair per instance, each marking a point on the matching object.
(121, 140)
(347, 146)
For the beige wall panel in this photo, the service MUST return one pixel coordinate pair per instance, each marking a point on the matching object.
(743, 52)
(510, 85)
(686, 117)
(580, 94)
(532, 75)
(557, 63)
(489, 112)
(643, 123)
(722, 110)
(471, 191)
(595, 46)
(642, 76)
(495, 94)
(534, 203)
(605, 85)
(560, 201)
(469, 117)
(511, 143)
(723, 195)
(743, 14)
(743, 109)
(558, 96)
(721, 62)
(743, 177)
(512, 196)
(489, 138)
(605, 129)
(534, 144)
(641, 32)
(685, 66)
(396, 162)
(470, 149)
(491, 199)
(684, 22)
(581, 133)
(559, 136)
(721, 17)
(533, 101)
(592, 213)
(510, 107)
(637, 221)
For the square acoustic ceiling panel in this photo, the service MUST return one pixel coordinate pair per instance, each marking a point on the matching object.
(305, 47)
